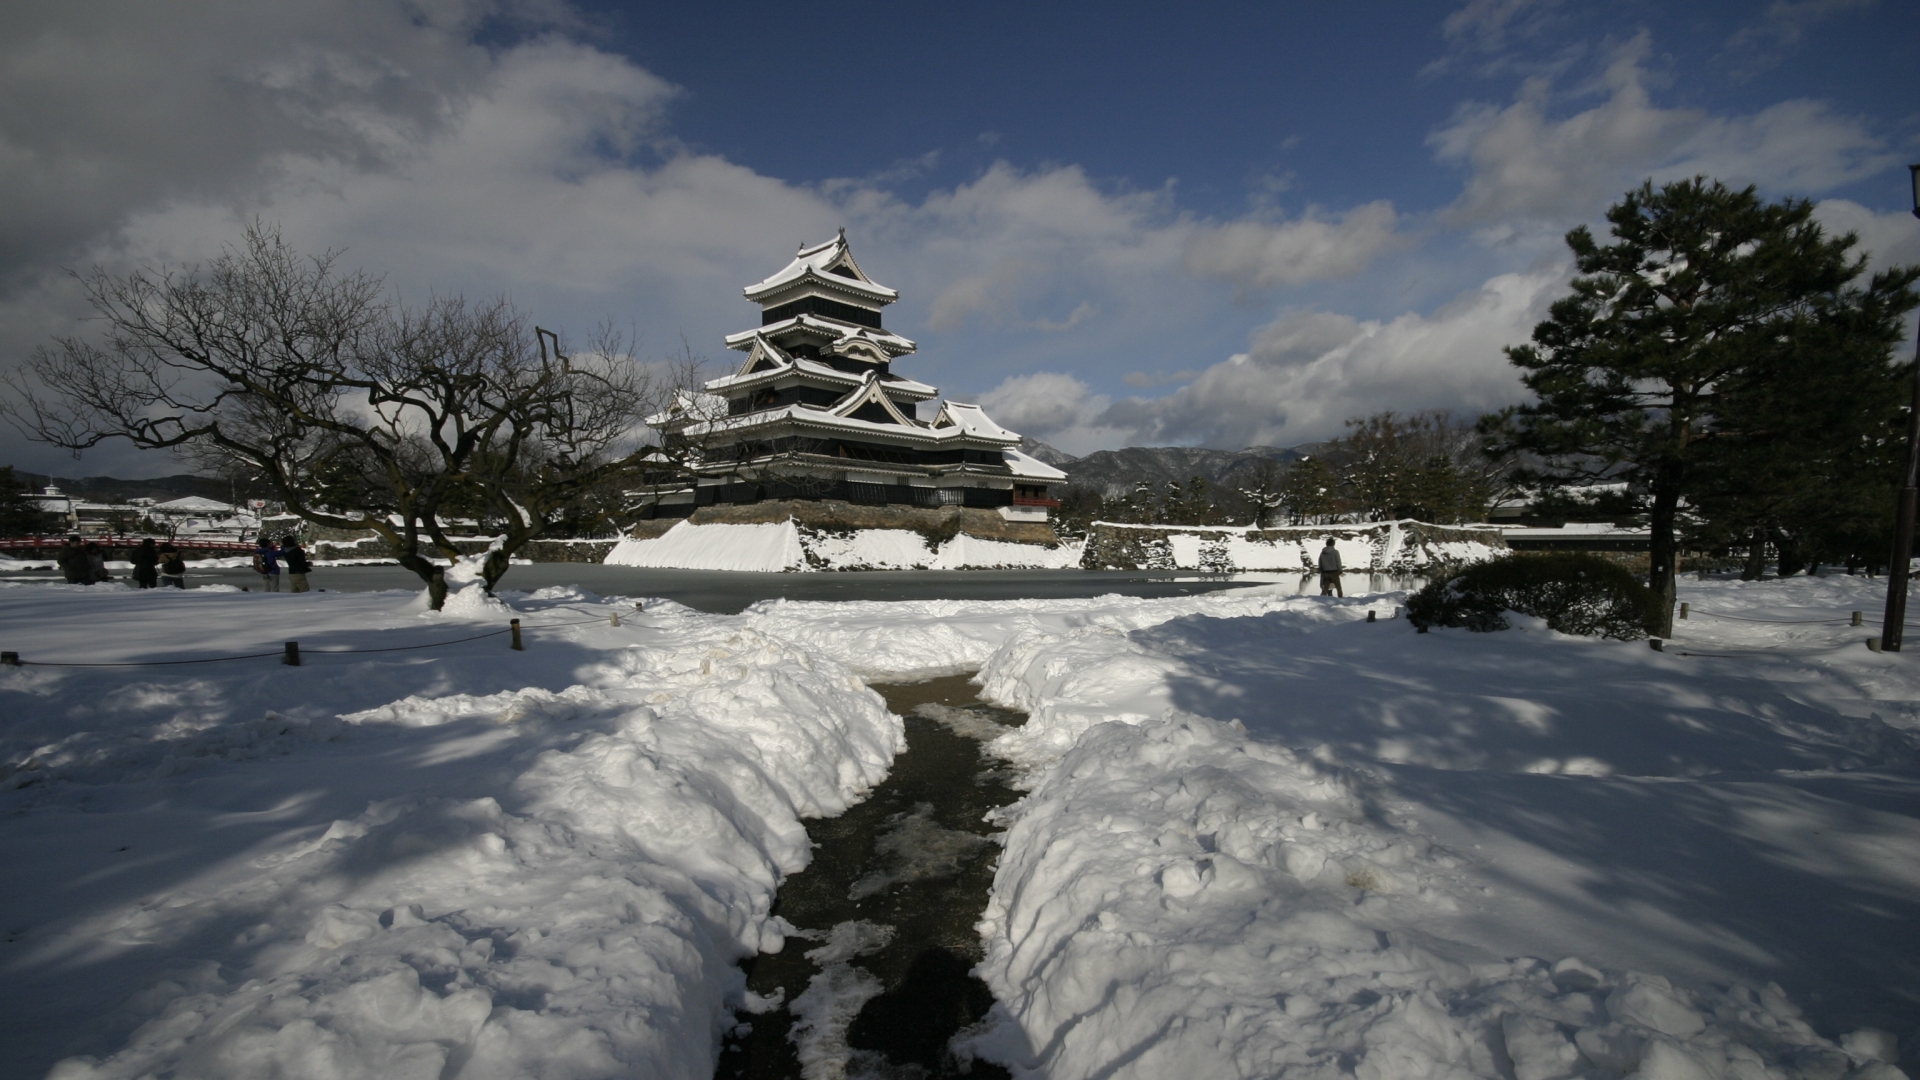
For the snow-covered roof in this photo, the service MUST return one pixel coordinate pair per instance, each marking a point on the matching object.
(830, 264)
(1030, 468)
(838, 331)
(193, 504)
(870, 393)
(973, 420)
(803, 366)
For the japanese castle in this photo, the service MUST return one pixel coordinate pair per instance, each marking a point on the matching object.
(815, 411)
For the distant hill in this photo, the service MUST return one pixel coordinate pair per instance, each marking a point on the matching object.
(108, 489)
(1115, 472)
(1052, 455)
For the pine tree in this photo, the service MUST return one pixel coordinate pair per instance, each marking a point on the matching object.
(1703, 291)
(20, 515)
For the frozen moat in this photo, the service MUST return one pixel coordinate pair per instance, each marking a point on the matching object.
(877, 981)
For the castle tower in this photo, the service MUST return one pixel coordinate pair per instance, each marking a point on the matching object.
(815, 411)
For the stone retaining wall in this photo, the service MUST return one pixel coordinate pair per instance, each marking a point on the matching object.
(1388, 547)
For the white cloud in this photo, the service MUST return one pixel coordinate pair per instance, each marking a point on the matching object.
(1259, 254)
(1307, 373)
(1524, 165)
(1054, 407)
(1888, 239)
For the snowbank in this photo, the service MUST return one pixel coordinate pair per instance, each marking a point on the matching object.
(786, 546)
(1301, 845)
(504, 880)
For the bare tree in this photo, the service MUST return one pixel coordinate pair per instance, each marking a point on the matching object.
(359, 412)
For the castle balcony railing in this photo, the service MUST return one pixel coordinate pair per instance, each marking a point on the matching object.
(1035, 500)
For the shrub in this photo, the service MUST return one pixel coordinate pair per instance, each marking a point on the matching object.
(1575, 593)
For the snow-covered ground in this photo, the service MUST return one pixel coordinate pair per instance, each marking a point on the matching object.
(1263, 837)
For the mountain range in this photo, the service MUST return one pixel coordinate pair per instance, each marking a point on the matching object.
(1115, 472)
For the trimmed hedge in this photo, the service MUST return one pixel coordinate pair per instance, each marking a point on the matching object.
(1574, 592)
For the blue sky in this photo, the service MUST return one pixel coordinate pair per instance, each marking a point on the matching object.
(1200, 224)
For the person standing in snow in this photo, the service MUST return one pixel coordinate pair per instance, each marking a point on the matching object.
(96, 564)
(72, 561)
(297, 564)
(266, 563)
(1330, 570)
(146, 564)
(173, 568)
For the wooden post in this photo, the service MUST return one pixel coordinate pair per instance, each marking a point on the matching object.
(1371, 617)
(614, 617)
(1658, 645)
(9, 659)
(292, 659)
(1856, 618)
(516, 635)
(1683, 611)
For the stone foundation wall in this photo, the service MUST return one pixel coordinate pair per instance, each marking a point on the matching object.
(1388, 547)
(937, 524)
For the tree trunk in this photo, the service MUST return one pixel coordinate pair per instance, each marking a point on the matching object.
(1791, 559)
(1756, 565)
(1663, 551)
(433, 574)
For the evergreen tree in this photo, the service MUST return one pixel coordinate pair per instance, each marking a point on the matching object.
(20, 515)
(1704, 293)
(1309, 492)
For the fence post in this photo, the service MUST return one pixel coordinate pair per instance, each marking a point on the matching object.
(9, 659)
(1856, 618)
(292, 659)
(1371, 617)
(1683, 611)
(516, 635)
(1658, 645)
(614, 616)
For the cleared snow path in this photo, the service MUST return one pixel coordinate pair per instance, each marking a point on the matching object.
(1260, 836)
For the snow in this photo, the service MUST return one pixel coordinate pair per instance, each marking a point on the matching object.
(772, 548)
(1267, 846)
(408, 864)
(1259, 837)
(1402, 547)
(1031, 468)
(973, 421)
(785, 546)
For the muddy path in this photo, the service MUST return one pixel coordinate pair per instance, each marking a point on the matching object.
(879, 984)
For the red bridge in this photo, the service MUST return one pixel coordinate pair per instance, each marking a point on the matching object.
(52, 544)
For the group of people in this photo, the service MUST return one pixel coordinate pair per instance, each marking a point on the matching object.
(268, 557)
(160, 565)
(154, 565)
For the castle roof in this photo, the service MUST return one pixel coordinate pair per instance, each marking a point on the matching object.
(829, 265)
(841, 334)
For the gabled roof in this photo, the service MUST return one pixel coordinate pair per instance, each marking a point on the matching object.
(827, 328)
(829, 264)
(870, 393)
(972, 420)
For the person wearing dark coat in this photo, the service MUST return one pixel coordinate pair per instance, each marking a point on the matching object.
(1330, 570)
(295, 557)
(173, 568)
(73, 561)
(96, 564)
(146, 565)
